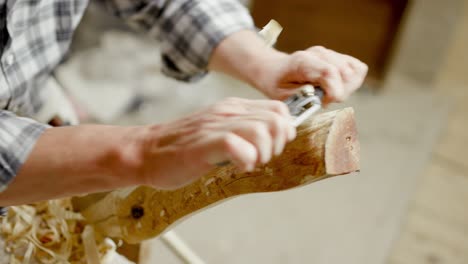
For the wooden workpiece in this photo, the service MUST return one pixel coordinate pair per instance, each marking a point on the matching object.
(326, 145)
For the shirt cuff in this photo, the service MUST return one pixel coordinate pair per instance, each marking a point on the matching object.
(17, 139)
(192, 31)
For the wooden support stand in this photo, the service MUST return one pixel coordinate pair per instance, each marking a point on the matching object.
(326, 145)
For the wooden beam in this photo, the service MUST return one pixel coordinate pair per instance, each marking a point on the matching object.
(326, 145)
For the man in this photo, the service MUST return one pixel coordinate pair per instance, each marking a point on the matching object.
(38, 162)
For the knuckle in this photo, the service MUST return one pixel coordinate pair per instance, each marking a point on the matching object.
(251, 159)
(334, 95)
(300, 53)
(300, 57)
(302, 62)
(330, 71)
(260, 131)
(319, 48)
(258, 127)
(340, 97)
(358, 64)
(276, 123)
(364, 67)
(228, 140)
(232, 101)
(227, 107)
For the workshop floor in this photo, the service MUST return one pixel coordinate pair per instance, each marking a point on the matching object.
(436, 227)
(350, 219)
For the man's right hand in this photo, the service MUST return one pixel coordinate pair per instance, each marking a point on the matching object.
(244, 132)
(76, 160)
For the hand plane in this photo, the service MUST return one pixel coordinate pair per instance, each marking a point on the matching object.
(304, 104)
(308, 100)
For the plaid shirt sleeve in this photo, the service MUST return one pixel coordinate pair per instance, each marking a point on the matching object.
(189, 30)
(17, 138)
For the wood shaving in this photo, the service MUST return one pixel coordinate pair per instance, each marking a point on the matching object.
(51, 232)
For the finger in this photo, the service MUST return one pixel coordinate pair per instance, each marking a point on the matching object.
(335, 58)
(230, 147)
(273, 115)
(241, 152)
(280, 128)
(257, 133)
(356, 64)
(278, 131)
(330, 80)
(359, 67)
(317, 71)
(233, 107)
(360, 71)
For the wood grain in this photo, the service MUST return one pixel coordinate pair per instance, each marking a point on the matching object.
(326, 146)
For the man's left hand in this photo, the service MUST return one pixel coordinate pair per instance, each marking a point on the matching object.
(245, 56)
(339, 75)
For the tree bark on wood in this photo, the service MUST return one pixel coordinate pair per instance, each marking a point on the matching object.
(326, 145)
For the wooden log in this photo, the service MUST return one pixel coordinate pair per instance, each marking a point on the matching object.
(326, 145)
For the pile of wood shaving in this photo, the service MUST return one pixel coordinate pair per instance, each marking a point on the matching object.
(50, 232)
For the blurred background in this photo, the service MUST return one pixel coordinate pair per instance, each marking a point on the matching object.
(409, 203)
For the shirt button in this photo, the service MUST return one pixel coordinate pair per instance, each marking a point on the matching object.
(10, 58)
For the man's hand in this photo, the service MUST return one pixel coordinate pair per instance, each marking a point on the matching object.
(76, 160)
(338, 74)
(244, 132)
(244, 55)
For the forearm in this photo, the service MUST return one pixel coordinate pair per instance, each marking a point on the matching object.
(75, 160)
(243, 55)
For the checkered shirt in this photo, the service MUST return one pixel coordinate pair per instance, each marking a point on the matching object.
(36, 34)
